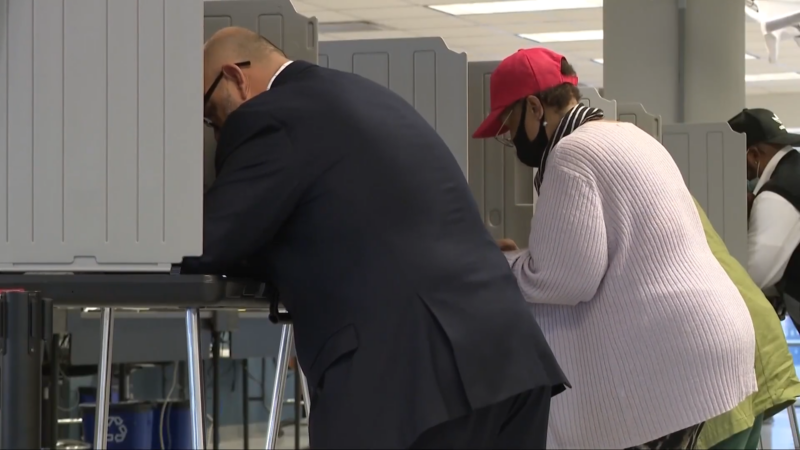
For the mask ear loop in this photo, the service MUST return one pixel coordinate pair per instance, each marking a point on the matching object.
(543, 125)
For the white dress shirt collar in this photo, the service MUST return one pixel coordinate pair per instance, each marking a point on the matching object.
(770, 167)
(278, 72)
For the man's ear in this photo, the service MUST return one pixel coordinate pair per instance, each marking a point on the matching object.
(235, 74)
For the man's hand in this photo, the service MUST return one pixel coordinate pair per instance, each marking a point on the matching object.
(507, 245)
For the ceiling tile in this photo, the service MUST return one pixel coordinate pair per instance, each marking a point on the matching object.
(408, 12)
(568, 15)
(532, 18)
(550, 27)
(442, 2)
(456, 32)
(753, 89)
(338, 5)
(566, 48)
(305, 8)
(499, 40)
(331, 16)
(482, 57)
(390, 34)
(329, 37)
(442, 21)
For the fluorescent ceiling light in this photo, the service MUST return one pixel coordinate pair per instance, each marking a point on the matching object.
(785, 76)
(566, 36)
(465, 9)
(746, 56)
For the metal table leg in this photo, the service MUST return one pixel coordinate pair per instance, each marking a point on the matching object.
(104, 382)
(50, 417)
(279, 387)
(306, 395)
(245, 405)
(24, 317)
(215, 413)
(793, 424)
(195, 378)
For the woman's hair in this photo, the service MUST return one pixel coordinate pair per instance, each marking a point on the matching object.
(560, 96)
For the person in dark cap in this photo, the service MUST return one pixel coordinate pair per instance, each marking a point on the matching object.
(618, 270)
(773, 174)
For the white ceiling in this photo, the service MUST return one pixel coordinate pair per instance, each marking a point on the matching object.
(491, 37)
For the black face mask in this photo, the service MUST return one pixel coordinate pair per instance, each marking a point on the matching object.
(530, 152)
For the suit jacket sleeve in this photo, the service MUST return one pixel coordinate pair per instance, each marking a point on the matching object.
(256, 190)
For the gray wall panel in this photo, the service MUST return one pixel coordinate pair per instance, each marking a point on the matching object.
(423, 71)
(711, 159)
(591, 97)
(635, 113)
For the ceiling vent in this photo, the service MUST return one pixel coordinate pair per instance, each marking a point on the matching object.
(349, 27)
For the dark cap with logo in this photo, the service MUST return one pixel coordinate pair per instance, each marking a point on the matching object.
(763, 126)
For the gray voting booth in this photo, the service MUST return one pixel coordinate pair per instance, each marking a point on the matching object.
(100, 135)
(709, 156)
(423, 71)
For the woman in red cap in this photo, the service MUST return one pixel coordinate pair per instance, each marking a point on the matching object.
(651, 331)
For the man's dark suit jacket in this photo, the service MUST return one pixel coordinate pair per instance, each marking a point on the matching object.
(405, 311)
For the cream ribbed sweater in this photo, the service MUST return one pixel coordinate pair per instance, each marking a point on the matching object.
(649, 329)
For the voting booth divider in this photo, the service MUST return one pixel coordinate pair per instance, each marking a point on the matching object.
(100, 137)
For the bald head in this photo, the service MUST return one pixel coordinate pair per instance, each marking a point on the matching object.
(240, 44)
(238, 65)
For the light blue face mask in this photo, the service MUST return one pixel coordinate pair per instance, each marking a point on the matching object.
(751, 185)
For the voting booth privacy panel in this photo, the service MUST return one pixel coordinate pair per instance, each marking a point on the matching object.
(100, 134)
(710, 157)
(423, 71)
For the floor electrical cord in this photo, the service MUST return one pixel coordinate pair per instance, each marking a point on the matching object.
(164, 410)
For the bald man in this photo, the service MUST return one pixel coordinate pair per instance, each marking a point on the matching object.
(409, 324)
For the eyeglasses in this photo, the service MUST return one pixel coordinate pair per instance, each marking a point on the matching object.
(214, 85)
(504, 137)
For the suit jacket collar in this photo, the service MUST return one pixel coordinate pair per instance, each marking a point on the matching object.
(250, 118)
(289, 72)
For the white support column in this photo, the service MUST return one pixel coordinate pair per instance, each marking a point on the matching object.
(693, 77)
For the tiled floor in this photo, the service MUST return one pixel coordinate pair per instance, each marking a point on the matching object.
(258, 433)
(775, 435)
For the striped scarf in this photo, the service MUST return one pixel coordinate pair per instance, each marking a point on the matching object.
(576, 117)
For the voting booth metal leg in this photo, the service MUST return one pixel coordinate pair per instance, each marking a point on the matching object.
(279, 387)
(26, 322)
(194, 359)
(306, 395)
(793, 424)
(104, 382)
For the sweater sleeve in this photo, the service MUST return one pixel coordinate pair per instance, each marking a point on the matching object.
(567, 253)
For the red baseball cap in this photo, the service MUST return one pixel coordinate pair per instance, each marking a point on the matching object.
(527, 72)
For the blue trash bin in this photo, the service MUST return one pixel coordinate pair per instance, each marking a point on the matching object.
(87, 394)
(130, 425)
(177, 429)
